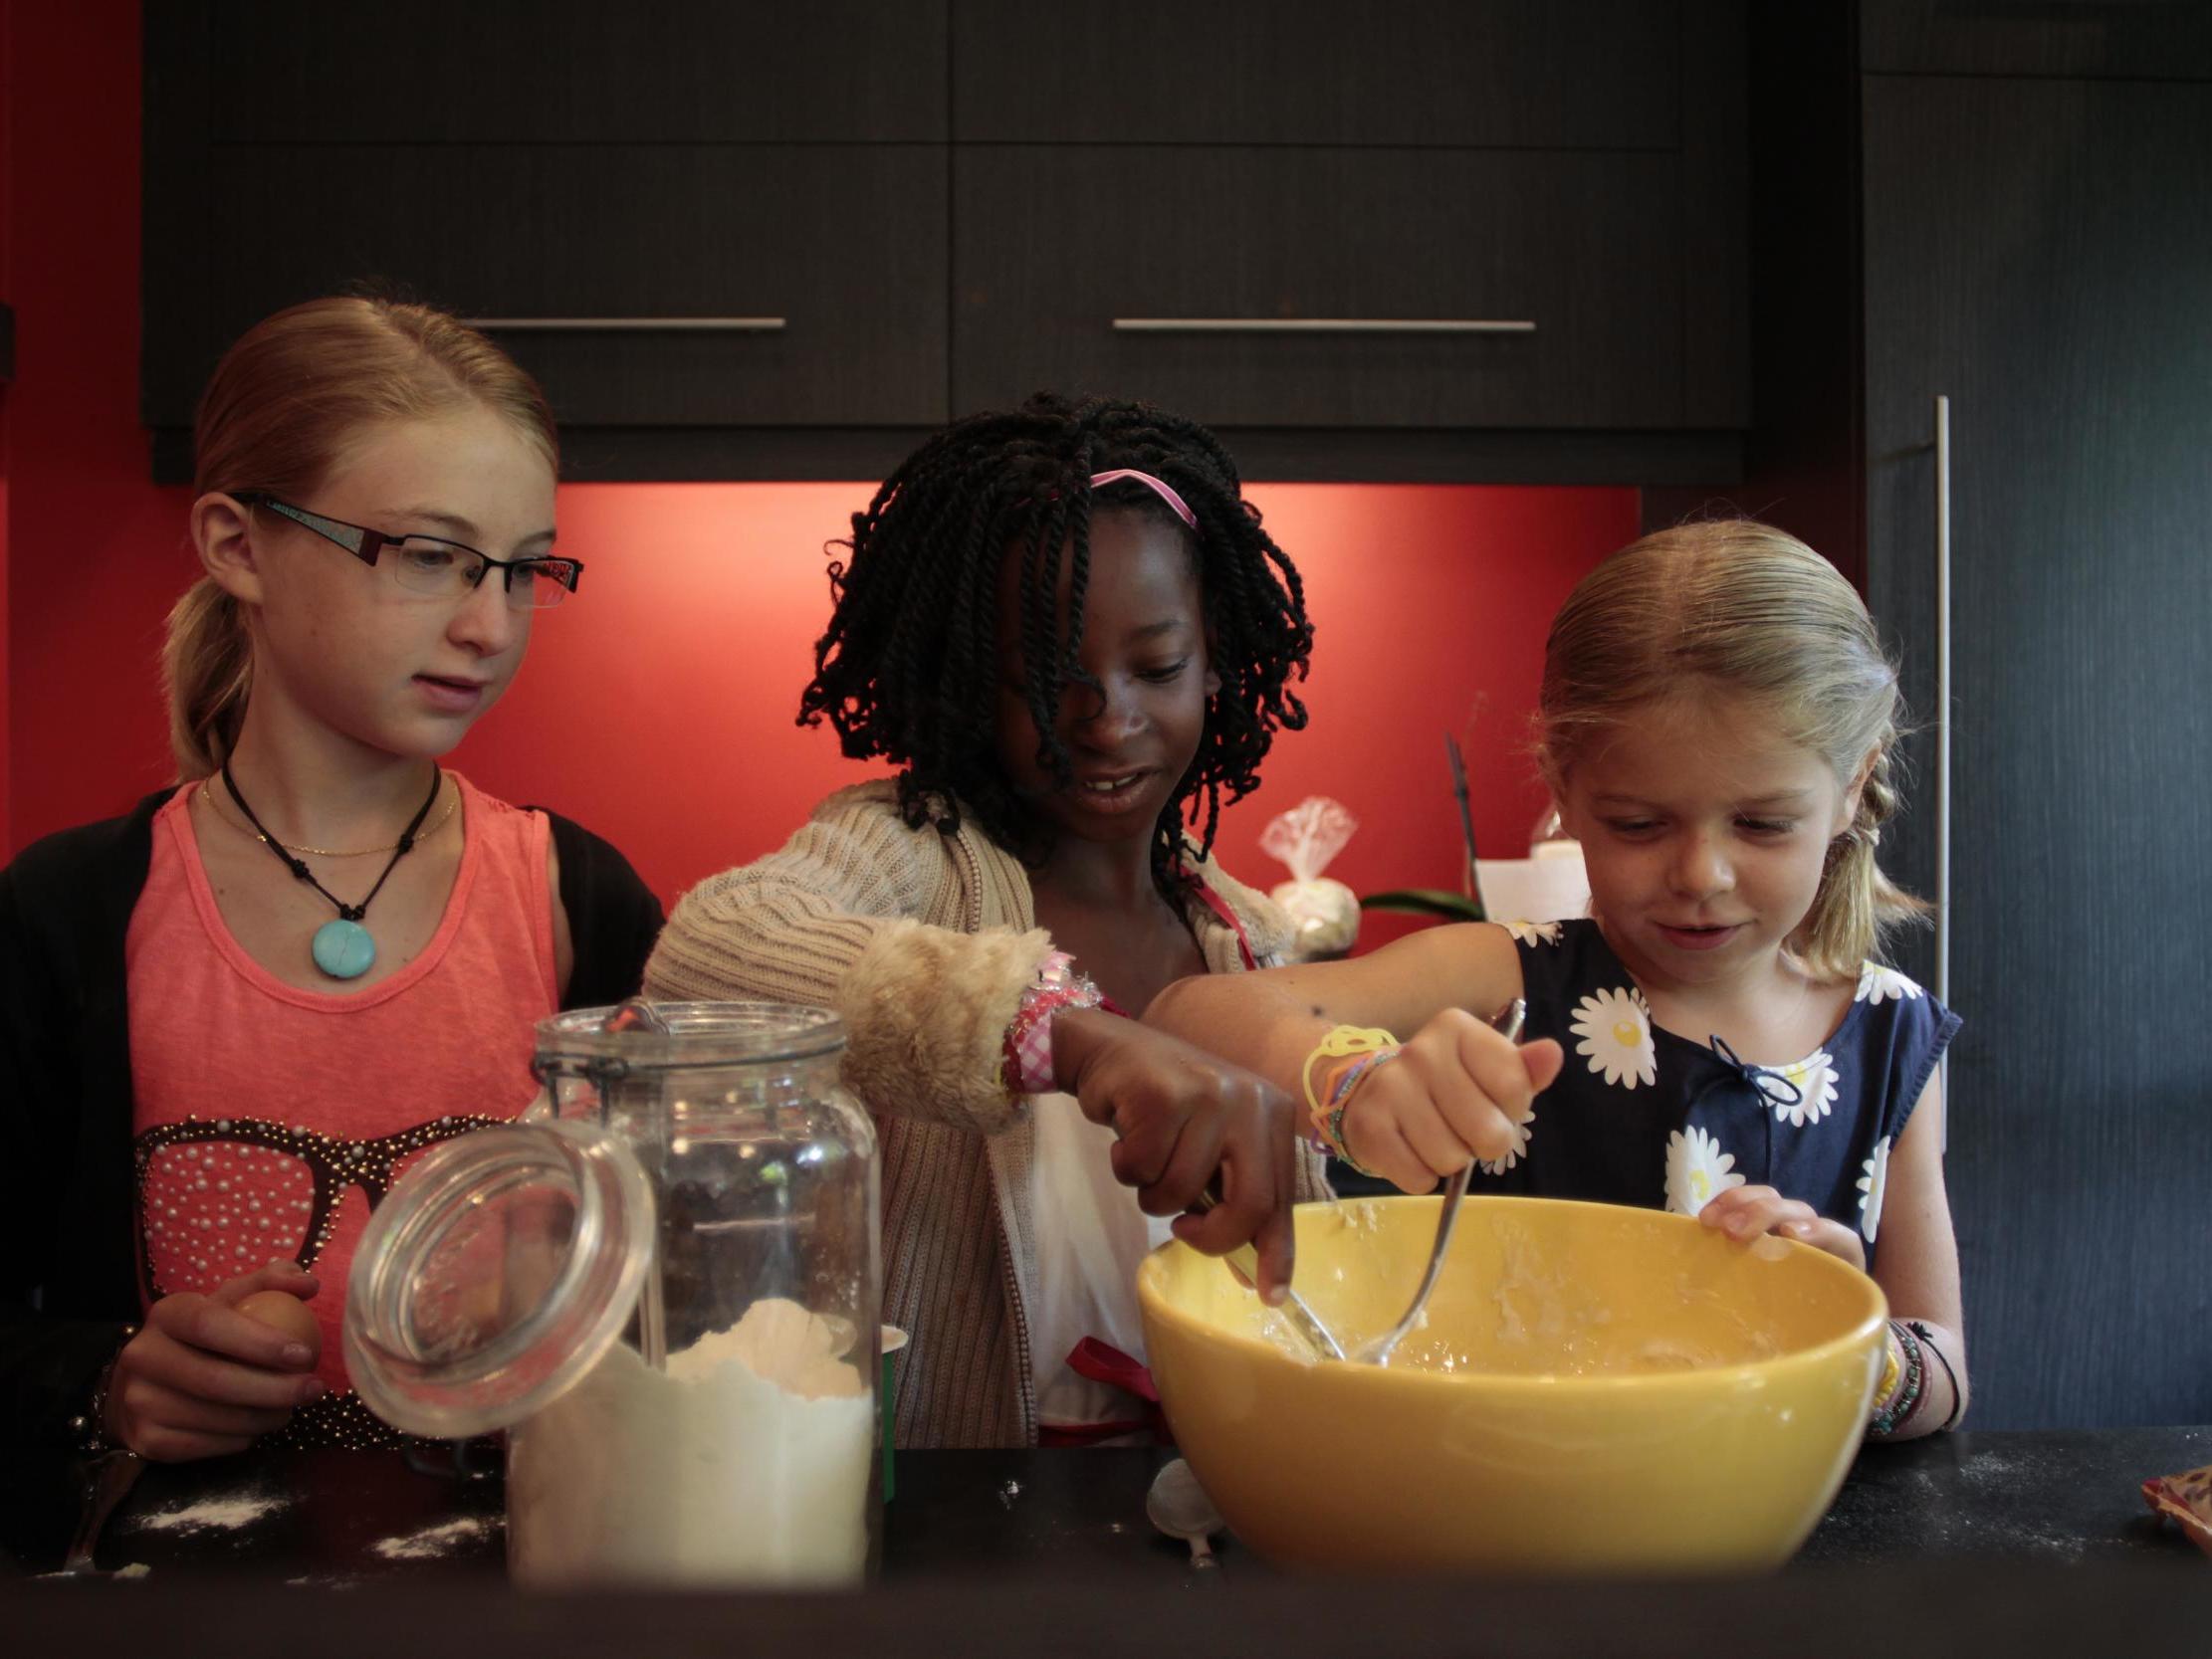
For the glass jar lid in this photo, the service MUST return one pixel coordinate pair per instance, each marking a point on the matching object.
(642, 1036)
(495, 1275)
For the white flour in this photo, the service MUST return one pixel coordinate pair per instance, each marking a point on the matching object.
(746, 1462)
(212, 1514)
(431, 1542)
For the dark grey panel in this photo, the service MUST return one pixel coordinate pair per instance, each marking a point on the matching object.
(2165, 40)
(2040, 251)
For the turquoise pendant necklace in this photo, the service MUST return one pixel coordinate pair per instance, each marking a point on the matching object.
(342, 948)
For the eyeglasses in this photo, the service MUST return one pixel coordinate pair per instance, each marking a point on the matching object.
(437, 569)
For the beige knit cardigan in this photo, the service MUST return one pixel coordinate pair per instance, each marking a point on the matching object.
(923, 944)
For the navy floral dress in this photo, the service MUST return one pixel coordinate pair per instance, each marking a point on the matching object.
(1641, 1116)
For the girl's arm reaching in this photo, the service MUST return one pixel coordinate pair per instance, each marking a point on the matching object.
(1916, 1267)
(1453, 1089)
(830, 920)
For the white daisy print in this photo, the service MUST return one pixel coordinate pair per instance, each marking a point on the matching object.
(1530, 932)
(1814, 1079)
(1616, 1031)
(1698, 1170)
(1872, 1185)
(1883, 984)
(1514, 1153)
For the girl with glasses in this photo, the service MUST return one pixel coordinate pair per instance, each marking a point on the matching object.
(229, 1017)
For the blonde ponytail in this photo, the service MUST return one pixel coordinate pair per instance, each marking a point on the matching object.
(207, 668)
(1857, 903)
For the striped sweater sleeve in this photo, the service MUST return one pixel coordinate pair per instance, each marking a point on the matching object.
(834, 920)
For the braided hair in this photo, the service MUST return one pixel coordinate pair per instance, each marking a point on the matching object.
(912, 649)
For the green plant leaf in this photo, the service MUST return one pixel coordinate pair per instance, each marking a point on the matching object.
(1426, 900)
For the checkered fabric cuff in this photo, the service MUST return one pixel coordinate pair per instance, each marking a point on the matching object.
(1027, 1069)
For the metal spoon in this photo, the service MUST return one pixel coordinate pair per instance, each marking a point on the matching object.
(1244, 1262)
(107, 1478)
(1177, 1504)
(1377, 1351)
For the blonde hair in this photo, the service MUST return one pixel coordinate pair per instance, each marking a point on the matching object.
(278, 413)
(1737, 606)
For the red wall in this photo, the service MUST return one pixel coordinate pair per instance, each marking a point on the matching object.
(7, 221)
(659, 706)
(658, 709)
(93, 550)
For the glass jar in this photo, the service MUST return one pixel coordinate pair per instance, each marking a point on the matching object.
(664, 1284)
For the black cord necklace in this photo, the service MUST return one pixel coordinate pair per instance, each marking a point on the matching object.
(342, 948)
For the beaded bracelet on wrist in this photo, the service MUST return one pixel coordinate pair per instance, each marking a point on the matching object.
(1329, 1126)
(1929, 1345)
(1895, 1414)
(1892, 1370)
(1339, 1042)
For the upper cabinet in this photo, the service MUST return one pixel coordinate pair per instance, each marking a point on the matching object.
(1459, 73)
(574, 72)
(2118, 40)
(1337, 287)
(646, 285)
(1484, 239)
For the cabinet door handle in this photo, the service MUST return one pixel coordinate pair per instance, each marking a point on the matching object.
(1321, 325)
(629, 325)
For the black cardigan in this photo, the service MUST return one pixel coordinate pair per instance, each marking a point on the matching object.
(69, 1275)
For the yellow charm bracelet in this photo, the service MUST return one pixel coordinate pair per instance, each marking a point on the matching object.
(1342, 1042)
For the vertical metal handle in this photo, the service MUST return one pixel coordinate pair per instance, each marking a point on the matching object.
(1944, 727)
(1943, 697)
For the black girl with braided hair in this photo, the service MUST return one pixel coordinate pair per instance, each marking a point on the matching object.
(1075, 640)
(912, 649)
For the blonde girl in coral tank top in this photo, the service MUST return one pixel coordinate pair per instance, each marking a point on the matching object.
(340, 947)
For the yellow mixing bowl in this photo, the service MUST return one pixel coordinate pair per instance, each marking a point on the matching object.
(1595, 1389)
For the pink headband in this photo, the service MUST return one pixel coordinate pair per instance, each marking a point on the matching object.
(1159, 487)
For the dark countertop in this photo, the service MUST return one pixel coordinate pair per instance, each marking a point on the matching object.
(972, 1536)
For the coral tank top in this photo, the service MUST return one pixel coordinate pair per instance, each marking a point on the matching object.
(269, 1120)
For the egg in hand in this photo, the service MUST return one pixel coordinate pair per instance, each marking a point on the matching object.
(288, 1314)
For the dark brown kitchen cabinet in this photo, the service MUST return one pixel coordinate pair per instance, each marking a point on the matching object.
(1180, 253)
(595, 232)
(567, 166)
(949, 204)
(2037, 251)
(2143, 39)
(1526, 73)
(1348, 229)
(575, 71)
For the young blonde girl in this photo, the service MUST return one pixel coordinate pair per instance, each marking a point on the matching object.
(1719, 1035)
(229, 1017)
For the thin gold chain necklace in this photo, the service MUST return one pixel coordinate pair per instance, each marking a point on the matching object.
(324, 852)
